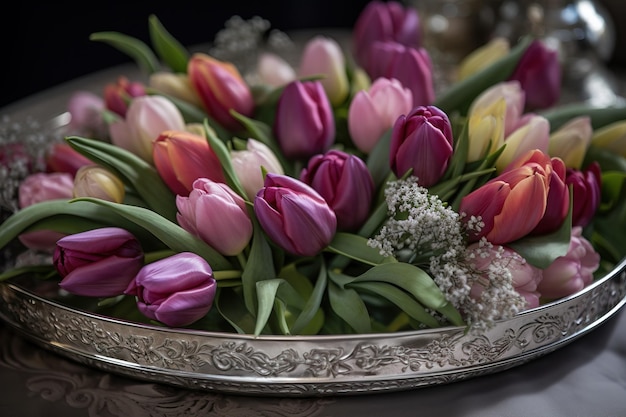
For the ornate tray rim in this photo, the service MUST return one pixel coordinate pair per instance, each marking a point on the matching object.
(303, 366)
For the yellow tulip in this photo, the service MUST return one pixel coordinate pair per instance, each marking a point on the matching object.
(486, 129)
(483, 57)
(611, 137)
(570, 141)
(98, 182)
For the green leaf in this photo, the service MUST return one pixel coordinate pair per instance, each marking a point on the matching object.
(313, 301)
(608, 160)
(348, 305)
(259, 267)
(378, 160)
(230, 305)
(355, 247)
(599, 116)
(136, 173)
(133, 47)
(33, 270)
(266, 295)
(167, 47)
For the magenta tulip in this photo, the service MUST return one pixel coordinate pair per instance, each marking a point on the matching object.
(176, 291)
(304, 124)
(294, 215)
(586, 186)
(63, 158)
(421, 141)
(99, 262)
(345, 183)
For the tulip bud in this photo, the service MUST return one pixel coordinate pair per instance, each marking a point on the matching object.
(230, 231)
(182, 157)
(249, 165)
(86, 109)
(586, 192)
(611, 137)
(571, 141)
(345, 183)
(294, 215)
(40, 186)
(485, 129)
(557, 203)
(421, 141)
(175, 85)
(514, 101)
(118, 94)
(221, 89)
(146, 119)
(304, 124)
(533, 133)
(98, 182)
(323, 56)
(274, 71)
(372, 113)
(99, 262)
(570, 273)
(482, 57)
(63, 158)
(176, 291)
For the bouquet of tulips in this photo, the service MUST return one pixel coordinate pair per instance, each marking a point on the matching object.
(341, 194)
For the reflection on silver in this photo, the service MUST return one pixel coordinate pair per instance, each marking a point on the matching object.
(301, 366)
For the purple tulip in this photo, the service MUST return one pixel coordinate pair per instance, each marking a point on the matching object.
(294, 215)
(304, 124)
(98, 263)
(176, 291)
(422, 141)
(345, 183)
(586, 186)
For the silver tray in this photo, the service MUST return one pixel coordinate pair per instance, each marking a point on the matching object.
(301, 366)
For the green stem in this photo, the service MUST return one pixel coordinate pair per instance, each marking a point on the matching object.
(150, 257)
(226, 274)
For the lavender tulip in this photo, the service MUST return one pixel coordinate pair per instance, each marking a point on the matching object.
(345, 183)
(98, 263)
(294, 215)
(176, 291)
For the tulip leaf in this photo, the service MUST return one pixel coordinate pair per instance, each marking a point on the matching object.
(608, 160)
(41, 271)
(378, 159)
(611, 240)
(313, 298)
(229, 303)
(258, 267)
(171, 234)
(167, 47)
(132, 170)
(355, 247)
(133, 47)
(349, 306)
(599, 116)
(266, 294)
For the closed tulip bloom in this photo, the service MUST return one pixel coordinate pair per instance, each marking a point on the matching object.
(372, 113)
(221, 88)
(411, 66)
(611, 137)
(586, 192)
(486, 129)
(304, 123)
(181, 157)
(273, 70)
(570, 273)
(146, 118)
(557, 204)
(98, 182)
(514, 98)
(41, 186)
(217, 215)
(250, 163)
(482, 57)
(294, 215)
(422, 141)
(99, 262)
(176, 291)
(533, 133)
(323, 56)
(539, 73)
(345, 183)
(175, 85)
(571, 141)
(384, 21)
(86, 110)
(511, 205)
(117, 95)
(63, 158)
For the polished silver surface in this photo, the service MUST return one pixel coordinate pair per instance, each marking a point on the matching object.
(301, 366)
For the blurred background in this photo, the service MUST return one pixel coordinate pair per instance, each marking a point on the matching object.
(47, 43)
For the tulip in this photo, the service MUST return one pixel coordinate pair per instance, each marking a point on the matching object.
(586, 192)
(86, 109)
(571, 141)
(384, 21)
(182, 157)
(345, 183)
(482, 57)
(63, 158)
(221, 89)
(570, 273)
(294, 215)
(411, 66)
(323, 56)
(514, 99)
(274, 70)
(421, 141)
(485, 129)
(99, 262)
(512, 204)
(539, 73)
(533, 133)
(176, 291)
(175, 85)
(146, 119)
(118, 94)
(372, 113)
(217, 215)
(249, 165)
(98, 182)
(557, 203)
(304, 124)
(611, 137)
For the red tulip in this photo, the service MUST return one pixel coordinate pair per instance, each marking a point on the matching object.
(586, 187)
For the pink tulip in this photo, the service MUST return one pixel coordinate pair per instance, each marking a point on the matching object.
(63, 158)
(323, 56)
(557, 203)
(372, 113)
(98, 263)
(421, 141)
(570, 273)
(221, 89)
(532, 132)
(294, 215)
(217, 215)
(250, 163)
(304, 124)
(86, 111)
(274, 70)
(182, 157)
(176, 291)
(345, 183)
(146, 119)
(586, 187)
(118, 94)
